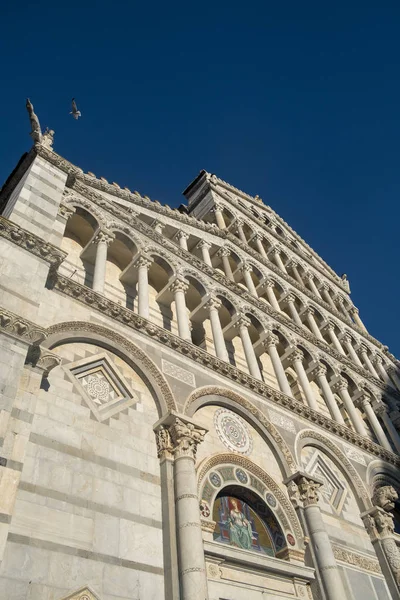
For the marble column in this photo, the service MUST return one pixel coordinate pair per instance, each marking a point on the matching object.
(246, 270)
(102, 240)
(382, 411)
(182, 238)
(213, 306)
(294, 266)
(392, 371)
(289, 299)
(347, 342)
(238, 228)
(295, 358)
(340, 386)
(181, 439)
(355, 314)
(365, 403)
(260, 247)
(313, 287)
(224, 254)
(143, 265)
(270, 342)
(205, 251)
(309, 315)
(276, 254)
(269, 290)
(179, 288)
(319, 373)
(219, 217)
(342, 307)
(363, 350)
(308, 494)
(330, 327)
(242, 324)
(378, 362)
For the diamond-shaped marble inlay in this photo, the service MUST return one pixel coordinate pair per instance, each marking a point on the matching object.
(103, 388)
(333, 491)
(84, 593)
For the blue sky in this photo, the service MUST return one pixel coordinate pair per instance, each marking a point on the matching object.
(296, 102)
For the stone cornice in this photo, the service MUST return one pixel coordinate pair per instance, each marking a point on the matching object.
(199, 265)
(20, 328)
(125, 316)
(31, 242)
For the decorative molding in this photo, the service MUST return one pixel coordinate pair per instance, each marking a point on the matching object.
(282, 421)
(127, 317)
(177, 372)
(20, 328)
(354, 559)
(32, 243)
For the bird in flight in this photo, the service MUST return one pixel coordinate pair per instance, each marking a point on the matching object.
(75, 112)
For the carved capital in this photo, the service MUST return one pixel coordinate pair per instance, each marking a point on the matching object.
(213, 303)
(340, 384)
(182, 235)
(385, 497)
(242, 321)
(289, 299)
(164, 443)
(246, 267)
(66, 211)
(42, 358)
(307, 488)
(185, 438)
(319, 371)
(179, 285)
(223, 252)
(295, 356)
(144, 261)
(104, 237)
(381, 409)
(269, 340)
(204, 244)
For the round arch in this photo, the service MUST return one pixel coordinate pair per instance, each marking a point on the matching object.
(91, 333)
(307, 437)
(253, 477)
(214, 395)
(74, 201)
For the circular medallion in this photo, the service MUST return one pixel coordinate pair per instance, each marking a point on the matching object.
(204, 509)
(232, 431)
(271, 500)
(98, 389)
(291, 539)
(241, 476)
(215, 479)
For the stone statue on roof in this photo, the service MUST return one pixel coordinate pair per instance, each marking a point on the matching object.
(36, 133)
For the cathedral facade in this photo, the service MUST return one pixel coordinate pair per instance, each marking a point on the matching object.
(191, 405)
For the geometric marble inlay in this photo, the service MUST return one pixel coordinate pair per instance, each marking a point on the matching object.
(333, 491)
(102, 386)
(84, 593)
(232, 431)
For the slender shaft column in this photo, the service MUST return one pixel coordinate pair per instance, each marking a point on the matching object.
(251, 359)
(205, 251)
(373, 420)
(393, 376)
(378, 362)
(363, 350)
(326, 295)
(246, 269)
(270, 342)
(355, 314)
(224, 254)
(289, 299)
(103, 239)
(294, 266)
(181, 439)
(269, 289)
(382, 411)
(340, 386)
(219, 217)
(260, 247)
(275, 252)
(319, 373)
(309, 314)
(179, 287)
(346, 339)
(238, 228)
(143, 286)
(313, 287)
(296, 359)
(213, 306)
(326, 564)
(158, 227)
(330, 327)
(343, 308)
(182, 237)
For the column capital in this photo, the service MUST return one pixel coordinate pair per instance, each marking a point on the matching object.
(319, 371)
(328, 325)
(377, 359)
(242, 321)
(362, 400)
(269, 283)
(308, 310)
(66, 211)
(213, 303)
(182, 235)
(269, 339)
(42, 359)
(143, 261)
(292, 263)
(391, 369)
(345, 337)
(203, 244)
(223, 252)
(178, 436)
(309, 275)
(245, 267)
(339, 384)
(324, 286)
(307, 487)
(179, 285)
(294, 356)
(353, 310)
(218, 206)
(258, 236)
(378, 523)
(104, 237)
(275, 250)
(381, 409)
(362, 348)
(288, 298)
